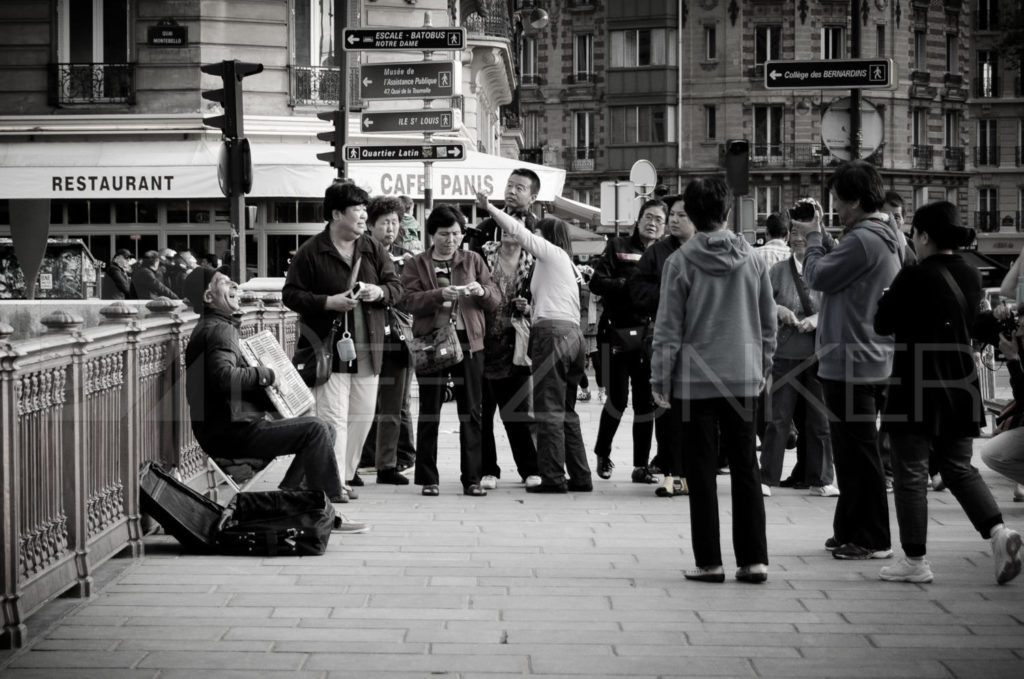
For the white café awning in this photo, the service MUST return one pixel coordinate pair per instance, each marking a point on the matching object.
(188, 169)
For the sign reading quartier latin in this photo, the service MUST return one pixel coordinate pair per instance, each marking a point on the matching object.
(823, 74)
(384, 38)
(406, 152)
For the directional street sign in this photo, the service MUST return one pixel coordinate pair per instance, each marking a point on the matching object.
(823, 74)
(407, 80)
(427, 120)
(407, 152)
(383, 38)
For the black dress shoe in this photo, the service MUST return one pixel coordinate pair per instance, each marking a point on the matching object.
(787, 482)
(581, 486)
(356, 480)
(393, 477)
(548, 488)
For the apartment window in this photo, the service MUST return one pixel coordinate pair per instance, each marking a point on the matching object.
(988, 15)
(988, 209)
(833, 42)
(710, 43)
(643, 124)
(643, 47)
(767, 132)
(710, 122)
(952, 133)
(988, 69)
(528, 61)
(583, 56)
(93, 51)
(531, 126)
(920, 126)
(767, 43)
(988, 143)
(583, 132)
(314, 32)
(920, 51)
(952, 53)
(880, 40)
(768, 199)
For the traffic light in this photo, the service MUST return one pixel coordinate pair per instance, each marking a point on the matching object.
(337, 120)
(229, 96)
(737, 165)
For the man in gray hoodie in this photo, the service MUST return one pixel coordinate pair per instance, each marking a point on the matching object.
(854, 362)
(713, 343)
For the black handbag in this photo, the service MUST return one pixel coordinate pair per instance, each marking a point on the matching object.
(276, 523)
(439, 349)
(627, 340)
(315, 360)
(400, 325)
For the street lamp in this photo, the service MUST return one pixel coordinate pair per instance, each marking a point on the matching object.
(533, 19)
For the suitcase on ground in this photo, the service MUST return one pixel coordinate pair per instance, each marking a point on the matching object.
(268, 523)
(190, 517)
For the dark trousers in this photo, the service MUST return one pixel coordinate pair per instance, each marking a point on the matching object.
(511, 396)
(385, 445)
(556, 349)
(309, 438)
(795, 381)
(467, 378)
(862, 510)
(910, 486)
(620, 371)
(668, 431)
(727, 423)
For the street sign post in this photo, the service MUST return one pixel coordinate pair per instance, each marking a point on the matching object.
(424, 120)
(383, 38)
(825, 74)
(407, 80)
(408, 152)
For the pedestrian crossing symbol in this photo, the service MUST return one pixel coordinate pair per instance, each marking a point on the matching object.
(878, 74)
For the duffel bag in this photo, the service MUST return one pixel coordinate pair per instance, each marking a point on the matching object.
(276, 523)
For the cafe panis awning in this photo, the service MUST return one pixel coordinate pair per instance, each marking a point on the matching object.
(188, 169)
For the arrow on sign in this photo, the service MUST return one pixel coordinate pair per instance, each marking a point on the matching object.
(368, 122)
(352, 39)
(367, 82)
(774, 75)
(456, 151)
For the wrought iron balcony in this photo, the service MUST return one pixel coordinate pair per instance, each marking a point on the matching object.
(987, 221)
(580, 158)
(986, 155)
(494, 25)
(92, 84)
(581, 78)
(312, 85)
(922, 157)
(953, 157)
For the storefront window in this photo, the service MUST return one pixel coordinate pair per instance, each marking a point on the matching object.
(135, 212)
(5, 212)
(280, 250)
(295, 212)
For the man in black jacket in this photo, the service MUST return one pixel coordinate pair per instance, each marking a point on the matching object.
(146, 282)
(228, 401)
(520, 193)
(117, 279)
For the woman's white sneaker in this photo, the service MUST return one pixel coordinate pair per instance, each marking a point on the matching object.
(907, 570)
(1006, 545)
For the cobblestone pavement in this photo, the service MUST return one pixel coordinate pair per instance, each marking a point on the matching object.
(514, 584)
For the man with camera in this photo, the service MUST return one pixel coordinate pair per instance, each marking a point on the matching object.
(854, 361)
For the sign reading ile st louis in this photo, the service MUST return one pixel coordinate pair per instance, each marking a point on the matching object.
(405, 152)
(426, 120)
(383, 38)
(824, 74)
(412, 80)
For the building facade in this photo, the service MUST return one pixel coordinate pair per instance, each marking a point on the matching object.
(671, 82)
(101, 114)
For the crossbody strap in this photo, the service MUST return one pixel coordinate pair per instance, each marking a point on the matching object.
(961, 300)
(801, 289)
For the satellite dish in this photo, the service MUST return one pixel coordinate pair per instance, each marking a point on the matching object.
(644, 175)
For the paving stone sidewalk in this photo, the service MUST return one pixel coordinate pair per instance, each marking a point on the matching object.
(514, 585)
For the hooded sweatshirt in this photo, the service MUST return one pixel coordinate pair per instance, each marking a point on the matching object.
(716, 323)
(852, 277)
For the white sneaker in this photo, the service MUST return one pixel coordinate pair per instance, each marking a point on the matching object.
(766, 490)
(1006, 545)
(824, 491)
(1018, 493)
(343, 525)
(489, 482)
(532, 481)
(907, 570)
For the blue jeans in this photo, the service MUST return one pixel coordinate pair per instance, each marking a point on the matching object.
(557, 352)
(511, 397)
(910, 486)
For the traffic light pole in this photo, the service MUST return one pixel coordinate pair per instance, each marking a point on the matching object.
(855, 123)
(341, 127)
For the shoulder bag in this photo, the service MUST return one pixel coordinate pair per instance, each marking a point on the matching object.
(315, 360)
(439, 349)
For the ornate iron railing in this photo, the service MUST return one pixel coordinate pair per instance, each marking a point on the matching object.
(92, 84)
(80, 410)
(986, 155)
(312, 85)
(921, 156)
